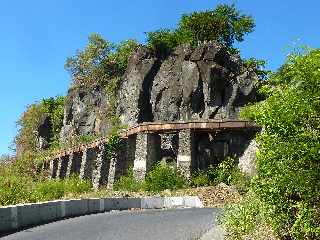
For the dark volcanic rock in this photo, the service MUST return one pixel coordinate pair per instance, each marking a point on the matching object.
(202, 83)
(85, 112)
(44, 133)
(134, 94)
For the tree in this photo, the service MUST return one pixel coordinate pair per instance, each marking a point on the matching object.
(100, 61)
(164, 40)
(29, 122)
(86, 66)
(224, 24)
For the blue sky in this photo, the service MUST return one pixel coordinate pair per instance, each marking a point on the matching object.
(37, 36)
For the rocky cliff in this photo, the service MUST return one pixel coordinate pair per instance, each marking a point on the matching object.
(205, 82)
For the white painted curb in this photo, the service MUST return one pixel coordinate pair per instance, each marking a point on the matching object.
(13, 218)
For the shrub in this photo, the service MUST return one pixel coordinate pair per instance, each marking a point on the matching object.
(100, 61)
(30, 120)
(288, 180)
(200, 179)
(225, 24)
(247, 219)
(56, 189)
(128, 183)
(224, 171)
(48, 190)
(14, 190)
(307, 222)
(163, 41)
(240, 180)
(74, 184)
(163, 177)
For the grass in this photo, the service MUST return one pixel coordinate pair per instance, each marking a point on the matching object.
(21, 189)
(22, 182)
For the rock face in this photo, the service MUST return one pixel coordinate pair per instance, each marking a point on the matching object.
(189, 84)
(85, 112)
(204, 83)
(44, 133)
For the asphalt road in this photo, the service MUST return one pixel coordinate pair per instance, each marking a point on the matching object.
(184, 224)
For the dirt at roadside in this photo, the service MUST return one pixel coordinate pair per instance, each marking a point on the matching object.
(211, 196)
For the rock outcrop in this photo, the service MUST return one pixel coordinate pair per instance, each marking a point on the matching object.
(204, 83)
(85, 112)
(44, 133)
(189, 84)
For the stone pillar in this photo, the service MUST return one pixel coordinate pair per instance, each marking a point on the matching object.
(74, 163)
(100, 170)
(69, 167)
(131, 149)
(185, 156)
(45, 166)
(54, 168)
(148, 147)
(62, 167)
(112, 172)
(59, 162)
(83, 164)
(87, 165)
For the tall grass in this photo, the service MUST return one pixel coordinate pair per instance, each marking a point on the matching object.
(22, 182)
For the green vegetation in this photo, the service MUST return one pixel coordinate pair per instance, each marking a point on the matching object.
(161, 177)
(51, 109)
(286, 190)
(57, 189)
(226, 172)
(101, 62)
(225, 24)
(247, 219)
(21, 181)
(128, 183)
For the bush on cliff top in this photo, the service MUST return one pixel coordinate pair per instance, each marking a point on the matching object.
(100, 62)
(225, 24)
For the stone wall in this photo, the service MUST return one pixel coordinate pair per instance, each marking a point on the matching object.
(212, 148)
(188, 150)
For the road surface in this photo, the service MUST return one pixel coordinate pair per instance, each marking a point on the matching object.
(184, 224)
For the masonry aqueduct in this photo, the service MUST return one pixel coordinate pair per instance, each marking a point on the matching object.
(141, 149)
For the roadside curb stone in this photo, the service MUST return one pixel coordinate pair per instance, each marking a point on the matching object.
(13, 218)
